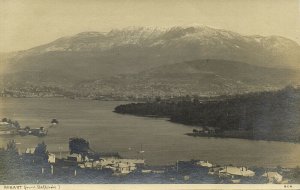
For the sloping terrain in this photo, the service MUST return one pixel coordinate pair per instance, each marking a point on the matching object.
(200, 77)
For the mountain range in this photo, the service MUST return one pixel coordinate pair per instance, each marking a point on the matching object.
(197, 60)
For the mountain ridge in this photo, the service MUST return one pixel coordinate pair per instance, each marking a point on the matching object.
(91, 56)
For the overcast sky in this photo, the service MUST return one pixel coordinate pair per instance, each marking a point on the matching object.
(28, 23)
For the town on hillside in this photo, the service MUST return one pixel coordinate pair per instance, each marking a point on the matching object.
(82, 164)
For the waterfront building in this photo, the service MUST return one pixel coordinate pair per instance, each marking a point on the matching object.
(4, 123)
(38, 131)
(110, 161)
(118, 166)
(236, 171)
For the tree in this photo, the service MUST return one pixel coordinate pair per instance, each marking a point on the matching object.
(79, 146)
(12, 147)
(41, 150)
(157, 99)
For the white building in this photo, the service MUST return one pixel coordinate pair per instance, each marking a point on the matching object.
(75, 157)
(204, 164)
(29, 150)
(273, 177)
(4, 123)
(51, 158)
(110, 161)
(237, 171)
(119, 166)
(124, 167)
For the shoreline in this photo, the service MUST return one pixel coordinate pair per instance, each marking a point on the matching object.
(209, 135)
(232, 137)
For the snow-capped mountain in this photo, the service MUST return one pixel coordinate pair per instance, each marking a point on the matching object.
(90, 56)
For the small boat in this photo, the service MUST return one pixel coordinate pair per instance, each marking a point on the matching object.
(141, 151)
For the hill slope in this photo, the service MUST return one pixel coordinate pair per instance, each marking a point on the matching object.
(200, 77)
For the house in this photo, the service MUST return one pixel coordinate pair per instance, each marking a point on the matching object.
(158, 171)
(134, 161)
(125, 168)
(214, 170)
(236, 171)
(204, 164)
(75, 157)
(51, 158)
(29, 150)
(88, 164)
(198, 130)
(273, 177)
(146, 171)
(109, 161)
(210, 130)
(22, 132)
(6, 128)
(38, 131)
(4, 123)
(119, 166)
(6, 132)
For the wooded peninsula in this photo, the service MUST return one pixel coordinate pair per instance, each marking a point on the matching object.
(271, 115)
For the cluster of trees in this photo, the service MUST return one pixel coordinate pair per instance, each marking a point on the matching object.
(274, 114)
(40, 150)
(79, 146)
(11, 147)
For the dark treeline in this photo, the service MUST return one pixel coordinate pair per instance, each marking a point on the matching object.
(268, 115)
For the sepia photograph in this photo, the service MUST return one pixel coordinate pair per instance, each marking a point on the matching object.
(143, 94)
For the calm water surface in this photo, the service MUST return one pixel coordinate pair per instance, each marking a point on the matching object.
(163, 142)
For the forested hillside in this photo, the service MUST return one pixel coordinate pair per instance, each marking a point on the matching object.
(267, 115)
